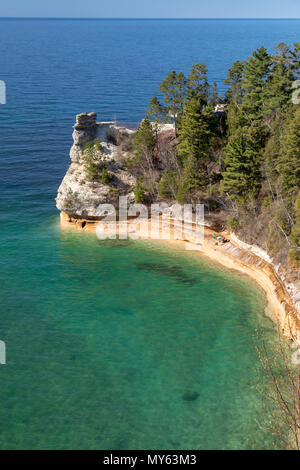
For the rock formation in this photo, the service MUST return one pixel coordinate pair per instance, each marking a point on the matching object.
(80, 197)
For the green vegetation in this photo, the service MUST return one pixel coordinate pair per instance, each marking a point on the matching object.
(106, 176)
(94, 162)
(169, 185)
(69, 201)
(139, 192)
(294, 255)
(143, 161)
(244, 158)
(144, 143)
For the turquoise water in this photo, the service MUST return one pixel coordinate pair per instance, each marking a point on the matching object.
(126, 345)
(110, 346)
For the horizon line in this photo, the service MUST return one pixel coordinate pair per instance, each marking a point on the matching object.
(137, 18)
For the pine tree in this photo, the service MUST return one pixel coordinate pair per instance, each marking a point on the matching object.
(157, 112)
(93, 159)
(296, 60)
(234, 79)
(214, 97)
(241, 178)
(198, 86)
(294, 255)
(234, 96)
(256, 72)
(194, 173)
(144, 142)
(174, 89)
(195, 138)
(194, 135)
(278, 87)
(270, 156)
(143, 164)
(288, 162)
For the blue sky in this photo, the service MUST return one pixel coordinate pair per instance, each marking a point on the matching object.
(152, 8)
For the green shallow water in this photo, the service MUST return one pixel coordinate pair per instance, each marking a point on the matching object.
(125, 345)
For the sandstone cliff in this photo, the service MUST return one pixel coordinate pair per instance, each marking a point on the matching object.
(79, 196)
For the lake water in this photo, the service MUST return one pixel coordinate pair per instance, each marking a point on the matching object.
(106, 342)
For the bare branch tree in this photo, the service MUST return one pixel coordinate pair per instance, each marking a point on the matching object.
(280, 392)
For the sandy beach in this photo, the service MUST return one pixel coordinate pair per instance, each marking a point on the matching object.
(280, 306)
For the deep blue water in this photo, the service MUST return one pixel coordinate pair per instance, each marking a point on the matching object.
(92, 361)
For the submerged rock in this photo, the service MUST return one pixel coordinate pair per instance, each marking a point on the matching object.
(190, 396)
(118, 243)
(173, 271)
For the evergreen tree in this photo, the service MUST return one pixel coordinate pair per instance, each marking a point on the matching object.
(234, 79)
(169, 184)
(144, 142)
(93, 159)
(270, 156)
(143, 164)
(294, 255)
(241, 178)
(198, 86)
(157, 112)
(174, 89)
(194, 135)
(195, 138)
(296, 60)
(194, 177)
(234, 97)
(214, 97)
(256, 72)
(139, 192)
(278, 87)
(288, 161)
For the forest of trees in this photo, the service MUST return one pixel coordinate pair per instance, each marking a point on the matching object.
(243, 162)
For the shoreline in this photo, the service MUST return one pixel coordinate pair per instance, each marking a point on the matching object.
(229, 255)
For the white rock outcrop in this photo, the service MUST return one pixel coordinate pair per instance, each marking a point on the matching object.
(77, 195)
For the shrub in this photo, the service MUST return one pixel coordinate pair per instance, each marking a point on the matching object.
(233, 224)
(98, 146)
(69, 201)
(168, 185)
(92, 161)
(139, 192)
(106, 176)
(113, 193)
(183, 194)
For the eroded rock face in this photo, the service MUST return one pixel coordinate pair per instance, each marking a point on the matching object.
(77, 195)
(85, 129)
